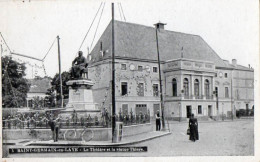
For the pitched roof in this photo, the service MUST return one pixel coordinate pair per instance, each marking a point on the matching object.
(139, 41)
(39, 85)
(240, 67)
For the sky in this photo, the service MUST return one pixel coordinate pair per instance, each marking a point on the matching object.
(230, 27)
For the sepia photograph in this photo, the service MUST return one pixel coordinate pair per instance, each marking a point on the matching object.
(129, 78)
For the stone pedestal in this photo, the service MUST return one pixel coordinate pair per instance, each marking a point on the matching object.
(81, 99)
(80, 95)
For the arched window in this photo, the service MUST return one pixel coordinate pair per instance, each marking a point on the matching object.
(174, 87)
(206, 86)
(186, 87)
(196, 88)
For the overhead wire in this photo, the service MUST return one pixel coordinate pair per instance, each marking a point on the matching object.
(118, 5)
(97, 25)
(5, 42)
(49, 49)
(90, 26)
(122, 11)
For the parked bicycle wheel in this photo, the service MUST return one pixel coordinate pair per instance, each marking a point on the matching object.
(69, 134)
(87, 135)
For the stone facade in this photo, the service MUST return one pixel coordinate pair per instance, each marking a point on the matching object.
(194, 78)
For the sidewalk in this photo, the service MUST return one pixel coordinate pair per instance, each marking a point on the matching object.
(125, 141)
(211, 121)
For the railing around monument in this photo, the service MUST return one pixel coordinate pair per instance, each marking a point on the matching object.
(95, 122)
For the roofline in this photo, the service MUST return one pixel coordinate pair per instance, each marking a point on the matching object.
(185, 59)
(231, 68)
(126, 58)
(154, 28)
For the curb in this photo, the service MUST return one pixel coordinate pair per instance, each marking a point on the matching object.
(108, 144)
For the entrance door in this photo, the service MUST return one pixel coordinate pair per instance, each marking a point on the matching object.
(209, 110)
(188, 110)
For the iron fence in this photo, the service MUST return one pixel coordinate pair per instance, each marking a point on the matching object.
(90, 121)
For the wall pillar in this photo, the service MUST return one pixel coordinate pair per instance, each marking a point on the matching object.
(192, 86)
(202, 87)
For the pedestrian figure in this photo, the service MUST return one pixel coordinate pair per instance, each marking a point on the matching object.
(106, 117)
(3, 122)
(56, 131)
(158, 121)
(52, 125)
(193, 126)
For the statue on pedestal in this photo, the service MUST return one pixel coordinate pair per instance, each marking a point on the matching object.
(79, 65)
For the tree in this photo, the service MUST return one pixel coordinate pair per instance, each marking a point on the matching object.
(38, 102)
(51, 97)
(14, 86)
(56, 87)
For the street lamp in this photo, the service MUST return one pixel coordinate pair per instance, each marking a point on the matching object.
(157, 27)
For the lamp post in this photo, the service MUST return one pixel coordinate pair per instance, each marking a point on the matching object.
(160, 77)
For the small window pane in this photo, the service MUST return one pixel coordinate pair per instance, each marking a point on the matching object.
(140, 68)
(123, 66)
(155, 69)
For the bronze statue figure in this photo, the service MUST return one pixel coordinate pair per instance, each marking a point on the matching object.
(79, 64)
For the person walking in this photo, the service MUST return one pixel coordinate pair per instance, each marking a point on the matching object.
(158, 121)
(193, 126)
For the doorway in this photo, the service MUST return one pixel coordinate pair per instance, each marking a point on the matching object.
(209, 110)
(188, 110)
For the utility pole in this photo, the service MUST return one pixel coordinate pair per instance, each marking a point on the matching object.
(113, 80)
(61, 93)
(232, 115)
(160, 77)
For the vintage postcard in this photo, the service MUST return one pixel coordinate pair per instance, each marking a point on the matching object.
(168, 79)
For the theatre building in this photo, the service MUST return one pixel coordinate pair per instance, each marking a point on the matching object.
(194, 78)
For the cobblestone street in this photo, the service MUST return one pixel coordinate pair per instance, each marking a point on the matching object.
(216, 139)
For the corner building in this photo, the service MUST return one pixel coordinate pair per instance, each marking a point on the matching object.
(194, 78)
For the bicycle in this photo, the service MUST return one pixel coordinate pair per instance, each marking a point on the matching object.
(86, 135)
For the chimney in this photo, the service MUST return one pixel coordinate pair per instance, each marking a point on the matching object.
(234, 62)
(159, 25)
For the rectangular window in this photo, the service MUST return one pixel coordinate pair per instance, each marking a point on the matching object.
(216, 91)
(124, 88)
(226, 92)
(140, 108)
(225, 75)
(140, 91)
(140, 68)
(155, 90)
(155, 69)
(123, 66)
(216, 74)
(199, 109)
